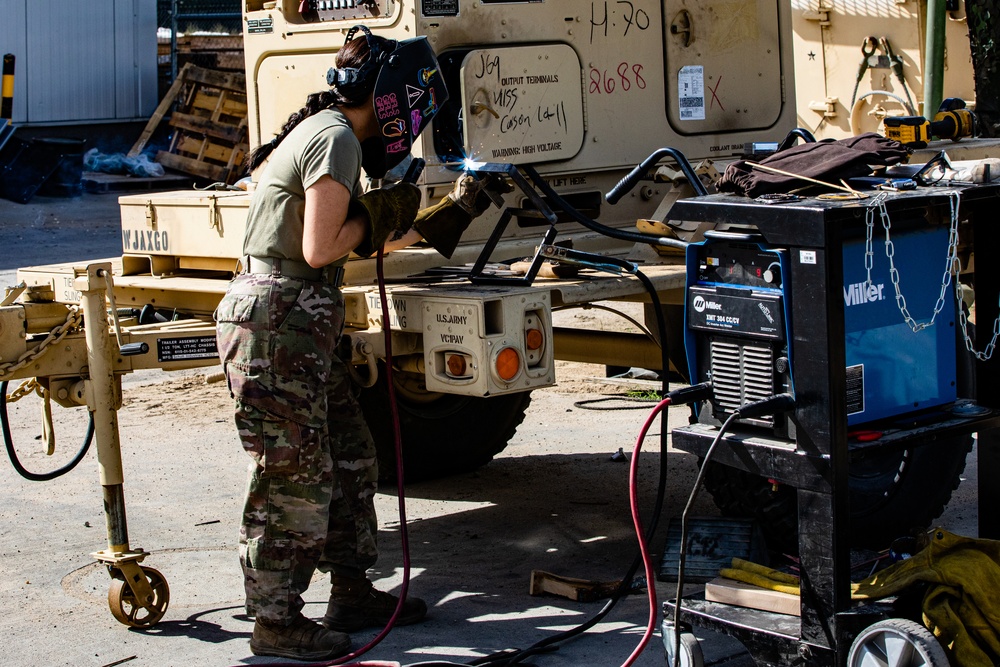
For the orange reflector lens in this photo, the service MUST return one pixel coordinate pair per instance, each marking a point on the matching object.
(533, 339)
(508, 364)
(456, 365)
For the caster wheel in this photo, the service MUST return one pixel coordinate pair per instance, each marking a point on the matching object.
(690, 648)
(130, 611)
(896, 642)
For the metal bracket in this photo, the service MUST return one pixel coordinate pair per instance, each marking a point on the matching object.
(541, 210)
(127, 562)
(214, 221)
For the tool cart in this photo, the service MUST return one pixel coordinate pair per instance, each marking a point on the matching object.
(775, 304)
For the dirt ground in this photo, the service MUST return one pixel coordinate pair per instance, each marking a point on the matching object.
(473, 539)
(555, 499)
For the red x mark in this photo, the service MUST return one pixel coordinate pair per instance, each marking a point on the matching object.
(715, 98)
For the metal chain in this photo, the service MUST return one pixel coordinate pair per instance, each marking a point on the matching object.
(890, 251)
(73, 319)
(26, 388)
(952, 273)
(969, 345)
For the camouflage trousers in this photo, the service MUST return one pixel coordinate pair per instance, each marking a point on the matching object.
(313, 472)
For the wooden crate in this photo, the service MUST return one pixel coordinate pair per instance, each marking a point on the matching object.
(208, 119)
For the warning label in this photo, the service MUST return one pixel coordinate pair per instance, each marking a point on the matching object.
(181, 349)
(855, 389)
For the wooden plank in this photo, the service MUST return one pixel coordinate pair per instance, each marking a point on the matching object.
(738, 593)
(208, 127)
(212, 151)
(209, 101)
(579, 590)
(187, 165)
(217, 79)
(100, 182)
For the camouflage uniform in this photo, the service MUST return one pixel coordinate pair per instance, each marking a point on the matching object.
(312, 478)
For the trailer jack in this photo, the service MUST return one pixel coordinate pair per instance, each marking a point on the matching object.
(138, 595)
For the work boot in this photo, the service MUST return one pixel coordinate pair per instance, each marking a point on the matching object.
(302, 640)
(356, 604)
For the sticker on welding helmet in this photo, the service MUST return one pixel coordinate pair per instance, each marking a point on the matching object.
(691, 92)
(394, 128)
(386, 106)
(413, 94)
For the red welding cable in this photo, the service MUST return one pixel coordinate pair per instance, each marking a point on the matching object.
(404, 537)
(647, 559)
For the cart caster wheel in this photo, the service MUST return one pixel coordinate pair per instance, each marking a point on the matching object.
(129, 611)
(690, 648)
(896, 642)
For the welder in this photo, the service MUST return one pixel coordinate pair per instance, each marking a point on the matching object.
(313, 474)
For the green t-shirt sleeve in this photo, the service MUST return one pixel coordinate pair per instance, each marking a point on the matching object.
(334, 152)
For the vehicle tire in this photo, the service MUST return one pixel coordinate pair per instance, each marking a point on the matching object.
(897, 641)
(443, 434)
(892, 493)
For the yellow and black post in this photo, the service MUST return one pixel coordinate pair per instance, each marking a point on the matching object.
(7, 89)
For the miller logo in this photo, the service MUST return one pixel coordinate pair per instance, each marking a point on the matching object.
(860, 293)
(701, 305)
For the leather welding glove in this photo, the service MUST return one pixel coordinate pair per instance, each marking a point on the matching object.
(443, 224)
(390, 212)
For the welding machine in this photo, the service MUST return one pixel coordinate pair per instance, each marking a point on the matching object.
(738, 325)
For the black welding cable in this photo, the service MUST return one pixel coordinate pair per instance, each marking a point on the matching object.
(12, 453)
(593, 225)
(684, 526)
(506, 658)
(770, 405)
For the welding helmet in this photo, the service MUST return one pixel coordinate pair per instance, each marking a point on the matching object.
(407, 91)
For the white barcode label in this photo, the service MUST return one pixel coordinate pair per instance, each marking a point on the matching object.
(691, 92)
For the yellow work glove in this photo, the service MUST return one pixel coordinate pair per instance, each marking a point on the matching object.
(390, 212)
(443, 224)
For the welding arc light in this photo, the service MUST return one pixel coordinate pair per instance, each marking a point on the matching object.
(508, 364)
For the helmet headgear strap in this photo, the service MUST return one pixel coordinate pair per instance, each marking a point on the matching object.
(359, 81)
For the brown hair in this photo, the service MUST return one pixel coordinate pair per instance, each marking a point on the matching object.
(352, 55)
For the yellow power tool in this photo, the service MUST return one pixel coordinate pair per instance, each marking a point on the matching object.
(952, 121)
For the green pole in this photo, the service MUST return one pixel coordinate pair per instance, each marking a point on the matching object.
(934, 57)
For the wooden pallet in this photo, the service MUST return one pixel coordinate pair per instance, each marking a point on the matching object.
(208, 121)
(101, 183)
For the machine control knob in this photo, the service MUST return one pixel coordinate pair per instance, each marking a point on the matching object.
(772, 274)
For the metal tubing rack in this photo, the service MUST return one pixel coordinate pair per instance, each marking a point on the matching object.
(815, 463)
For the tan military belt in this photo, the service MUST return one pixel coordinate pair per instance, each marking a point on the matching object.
(289, 268)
